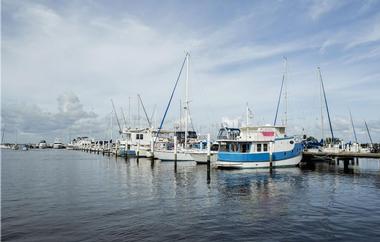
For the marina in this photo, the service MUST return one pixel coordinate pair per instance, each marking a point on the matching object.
(190, 120)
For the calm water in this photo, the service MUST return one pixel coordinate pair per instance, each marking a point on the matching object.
(59, 195)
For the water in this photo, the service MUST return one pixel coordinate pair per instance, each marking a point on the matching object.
(59, 195)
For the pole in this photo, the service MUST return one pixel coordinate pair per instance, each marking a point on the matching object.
(208, 158)
(321, 96)
(175, 148)
(353, 127)
(327, 107)
(286, 90)
(369, 135)
(187, 98)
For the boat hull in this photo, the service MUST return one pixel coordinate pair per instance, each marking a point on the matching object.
(201, 157)
(169, 156)
(293, 161)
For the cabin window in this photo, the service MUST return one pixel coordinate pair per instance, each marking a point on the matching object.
(233, 147)
(265, 147)
(258, 147)
(244, 147)
(214, 147)
(223, 147)
(291, 142)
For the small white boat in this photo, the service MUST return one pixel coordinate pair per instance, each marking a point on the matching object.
(58, 144)
(168, 155)
(42, 144)
(201, 156)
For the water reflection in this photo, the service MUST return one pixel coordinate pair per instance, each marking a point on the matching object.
(89, 195)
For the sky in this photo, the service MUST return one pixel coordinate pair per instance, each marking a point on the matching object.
(63, 61)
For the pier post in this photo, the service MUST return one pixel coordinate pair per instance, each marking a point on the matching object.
(175, 153)
(175, 148)
(138, 151)
(346, 163)
(208, 159)
(270, 155)
(357, 160)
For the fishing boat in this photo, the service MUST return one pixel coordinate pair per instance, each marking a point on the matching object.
(260, 147)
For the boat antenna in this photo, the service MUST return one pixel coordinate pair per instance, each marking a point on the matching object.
(146, 115)
(369, 135)
(117, 119)
(353, 127)
(170, 99)
(327, 107)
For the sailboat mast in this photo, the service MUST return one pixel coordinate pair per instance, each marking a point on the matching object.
(327, 107)
(369, 135)
(286, 90)
(353, 128)
(186, 97)
(321, 96)
(129, 111)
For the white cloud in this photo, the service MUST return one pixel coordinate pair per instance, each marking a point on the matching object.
(322, 7)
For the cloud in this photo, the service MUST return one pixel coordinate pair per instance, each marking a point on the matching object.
(322, 7)
(32, 121)
(99, 51)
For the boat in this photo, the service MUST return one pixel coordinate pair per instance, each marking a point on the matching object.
(260, 147)
(200, 154)
(42, 144)
(58, 144)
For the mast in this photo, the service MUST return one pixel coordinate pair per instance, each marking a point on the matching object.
(279, 100)
(321, 97)
(353, 127)
(117, 119)
(122, 113)
(138, 113)
(129, 111)
(146, 114)
(186, 97)
(180, 115)
(327, 107)
(170, 100)
(286, 90)
(369, 135)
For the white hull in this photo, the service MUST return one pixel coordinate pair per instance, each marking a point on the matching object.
(201, 157)
(264, 164)
(57, 146)
(42, 145)
(168, 155)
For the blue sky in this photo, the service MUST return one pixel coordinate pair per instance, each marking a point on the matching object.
(62, 61)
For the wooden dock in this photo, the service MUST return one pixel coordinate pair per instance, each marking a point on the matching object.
(342, 155)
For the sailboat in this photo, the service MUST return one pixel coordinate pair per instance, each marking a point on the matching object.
(177, 150)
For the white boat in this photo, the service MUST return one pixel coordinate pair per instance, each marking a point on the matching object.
(260, 147)
(42, 144)
(58, 144)
(201, 156)
(169, 155)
